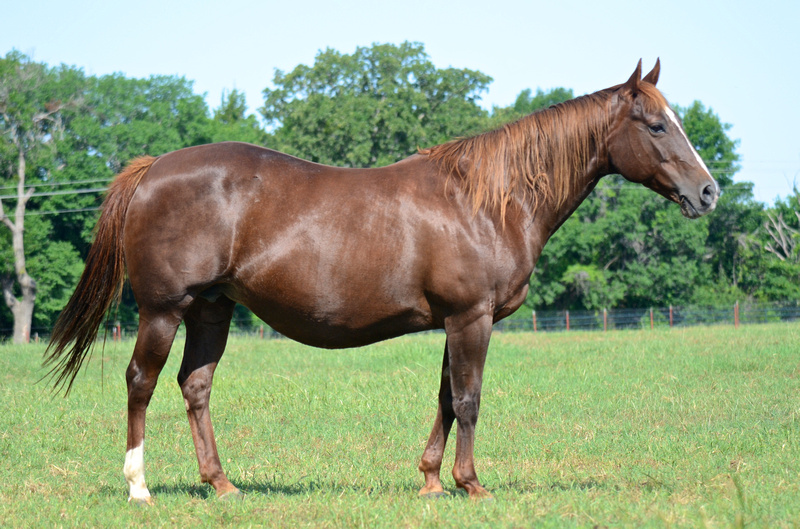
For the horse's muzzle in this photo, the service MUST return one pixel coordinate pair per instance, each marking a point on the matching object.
(704, 203)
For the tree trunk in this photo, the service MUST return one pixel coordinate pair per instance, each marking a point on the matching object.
(22, 309)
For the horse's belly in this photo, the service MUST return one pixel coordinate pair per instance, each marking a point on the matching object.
(343, 329)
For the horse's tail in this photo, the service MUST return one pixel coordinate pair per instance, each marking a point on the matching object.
(100, 284)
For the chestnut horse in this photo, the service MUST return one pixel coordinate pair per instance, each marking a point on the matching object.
(334, 257)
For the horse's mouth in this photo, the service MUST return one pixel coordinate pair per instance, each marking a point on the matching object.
(688, 210)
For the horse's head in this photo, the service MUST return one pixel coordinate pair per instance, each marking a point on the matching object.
(647, 145)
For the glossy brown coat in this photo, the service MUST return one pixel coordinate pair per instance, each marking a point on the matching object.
(332, 257)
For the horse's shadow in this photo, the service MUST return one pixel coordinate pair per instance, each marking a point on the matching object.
(203, 491)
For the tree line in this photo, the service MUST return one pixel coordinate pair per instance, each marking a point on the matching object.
(64, 134)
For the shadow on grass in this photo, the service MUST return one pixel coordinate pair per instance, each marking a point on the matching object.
(302, 488)
(204, 491)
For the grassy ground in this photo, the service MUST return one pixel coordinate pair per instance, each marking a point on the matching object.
(687, 427)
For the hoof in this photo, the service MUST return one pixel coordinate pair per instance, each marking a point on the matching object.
(141, 502)
(434, 495)
(483, 496)
(234, 495)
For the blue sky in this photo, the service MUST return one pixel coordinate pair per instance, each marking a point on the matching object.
(742, 59)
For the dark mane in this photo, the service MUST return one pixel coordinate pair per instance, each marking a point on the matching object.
(535, 156)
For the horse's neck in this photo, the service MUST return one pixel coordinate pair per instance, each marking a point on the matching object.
(549, 216)
(572, 176)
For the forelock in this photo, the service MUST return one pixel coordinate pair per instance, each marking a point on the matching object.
(653, 100)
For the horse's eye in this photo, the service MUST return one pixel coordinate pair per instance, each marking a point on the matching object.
(658, 128)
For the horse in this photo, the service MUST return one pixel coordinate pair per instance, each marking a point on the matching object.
(344, 257)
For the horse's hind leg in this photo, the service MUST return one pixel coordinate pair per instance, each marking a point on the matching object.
(207, 325)
(431, 462)
(153, 343)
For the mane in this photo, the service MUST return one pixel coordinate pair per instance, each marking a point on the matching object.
(536, 156)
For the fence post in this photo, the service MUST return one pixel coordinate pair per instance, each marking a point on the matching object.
(651, 318)
(670, 316)
(261, 332)
(736, 315)
(534, 321)
(605, 320)
(567, 316)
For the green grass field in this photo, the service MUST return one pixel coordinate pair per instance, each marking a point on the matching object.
(691, 427)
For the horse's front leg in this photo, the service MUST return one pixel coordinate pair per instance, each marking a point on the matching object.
(431, 462)
(459, 399)
(468, 341)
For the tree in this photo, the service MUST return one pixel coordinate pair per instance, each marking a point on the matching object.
(32, 102)
(623, 247)
(737, 211)
(77, 132)
(232, 123)
(768, 258)
(373, 107)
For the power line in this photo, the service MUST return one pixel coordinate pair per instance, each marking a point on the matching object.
(57, 184)
(58, 212)
(55, 193)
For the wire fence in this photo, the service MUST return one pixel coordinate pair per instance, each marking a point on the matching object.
(549, 320)
(651, 318)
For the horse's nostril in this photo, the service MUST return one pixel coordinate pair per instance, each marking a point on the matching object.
(708, 194)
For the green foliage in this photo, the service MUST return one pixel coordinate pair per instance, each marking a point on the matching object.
(373, 107)
(591, 287)
(57, 268)
(737, 213)
(232, 123)
(640, 250)
(35, 102)
(127, 118)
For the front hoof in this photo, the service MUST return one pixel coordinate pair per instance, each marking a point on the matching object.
(234, 495)
(142, 502)
(435, 495)
(481, 495)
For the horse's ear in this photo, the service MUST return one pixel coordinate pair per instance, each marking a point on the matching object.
(635, 79)
(652, 77)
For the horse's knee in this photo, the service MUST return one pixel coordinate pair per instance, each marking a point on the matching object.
(466, 407)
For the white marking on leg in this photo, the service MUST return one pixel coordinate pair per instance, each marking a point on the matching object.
(674, 119)
(134, 473)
